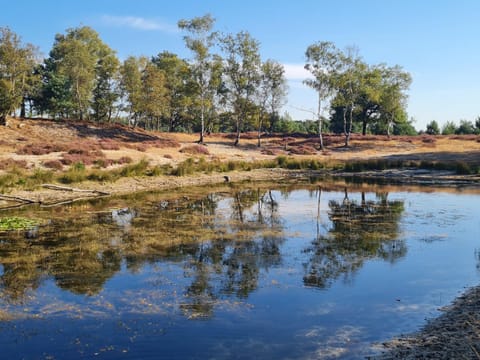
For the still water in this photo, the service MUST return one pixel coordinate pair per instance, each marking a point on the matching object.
(310, 271)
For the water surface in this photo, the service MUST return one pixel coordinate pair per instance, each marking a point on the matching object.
(267, 271)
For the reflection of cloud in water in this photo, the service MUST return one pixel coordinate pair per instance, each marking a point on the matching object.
(434, 238)
(408, 308)
(123, 217)
(237, 348)
(322, 309)
(332, 345)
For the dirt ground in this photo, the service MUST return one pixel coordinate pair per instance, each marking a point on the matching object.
(44, 144)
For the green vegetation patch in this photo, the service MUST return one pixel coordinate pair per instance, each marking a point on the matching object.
(17, 223)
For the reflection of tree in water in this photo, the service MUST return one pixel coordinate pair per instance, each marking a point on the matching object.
(359, 231)
(221, 252)
(232, 266)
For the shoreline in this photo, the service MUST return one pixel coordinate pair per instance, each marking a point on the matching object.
(52, 194)
(455, 334)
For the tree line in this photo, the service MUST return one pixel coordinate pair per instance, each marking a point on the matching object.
(450, 128)
(225, 86)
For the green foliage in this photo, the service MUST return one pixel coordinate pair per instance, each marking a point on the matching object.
(465, 128)
(449, 128)
(17, 63)
(379, 104)
(433, 128)
(78, 76)
(137, 169)
(460, 168)
(242, 74)
(75, 174)
(17, 223)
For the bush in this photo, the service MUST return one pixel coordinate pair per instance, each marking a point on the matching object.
(195, 150)
(53, 164)
(75, 174)
(11, 163)
(137, 169)
(124, 160)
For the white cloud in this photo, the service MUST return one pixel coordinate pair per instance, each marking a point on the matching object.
(296, 72)
(139, 23)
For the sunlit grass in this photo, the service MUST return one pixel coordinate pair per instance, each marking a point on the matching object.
(16, 177)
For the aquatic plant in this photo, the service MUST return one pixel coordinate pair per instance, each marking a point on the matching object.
(17, 223)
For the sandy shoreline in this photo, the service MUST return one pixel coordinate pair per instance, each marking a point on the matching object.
(453, 335)
(48, 194)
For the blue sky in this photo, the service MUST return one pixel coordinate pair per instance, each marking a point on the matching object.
(437, 41)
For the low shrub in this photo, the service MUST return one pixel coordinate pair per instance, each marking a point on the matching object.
(124, 160)
(53, 164)
(137, 169)
(38, 177)
(40, 149)
(100, 175)
(80, 155)
(75, 174)
(11, 163)
(103, 163)
(108, 144)
(195, 149)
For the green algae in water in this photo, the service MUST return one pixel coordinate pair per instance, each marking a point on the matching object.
(17, 223)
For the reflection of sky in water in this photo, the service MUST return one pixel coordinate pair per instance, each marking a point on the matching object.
(123, 217)
(140, 311)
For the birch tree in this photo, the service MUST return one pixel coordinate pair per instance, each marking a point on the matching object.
(322, 62)
(200, 40)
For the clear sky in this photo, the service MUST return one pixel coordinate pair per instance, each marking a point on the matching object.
(436, 41)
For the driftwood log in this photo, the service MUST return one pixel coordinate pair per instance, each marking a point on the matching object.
(65, 188)
(21, 201)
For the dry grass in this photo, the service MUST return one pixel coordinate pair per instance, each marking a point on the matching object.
(195, 149)
(33, 144)
(11, 163)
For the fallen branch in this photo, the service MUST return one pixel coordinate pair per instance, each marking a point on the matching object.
(65, 202)
(65, 188)
(17, 199)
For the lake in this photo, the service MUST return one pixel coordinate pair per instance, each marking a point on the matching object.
(311, 270)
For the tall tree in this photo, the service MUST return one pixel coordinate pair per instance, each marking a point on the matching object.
(76, 61)
(132, 86)
(106, 90)
(348, 80)
(271, 93)
(154, 103)
(17, 63)
(200, 40)
(322, 62)
(393, 97)
(433, 128)
(242, 71)
(179, 85)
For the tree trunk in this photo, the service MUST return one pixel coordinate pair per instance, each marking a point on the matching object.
(202, 120)
(345, 125)
(259, 135)
(320, 122)
(237, 137)
(349, 126)
(22, 109)
(364, 127)
(348, 131)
